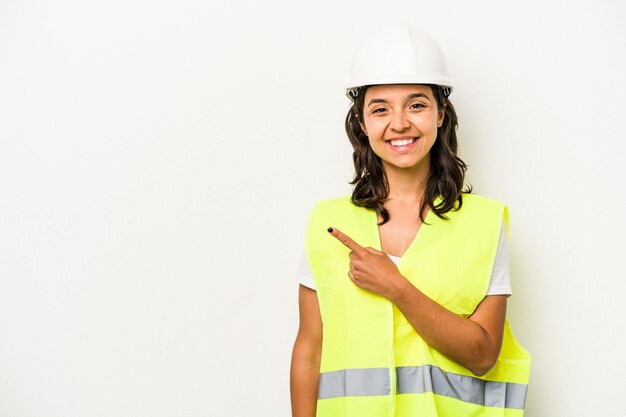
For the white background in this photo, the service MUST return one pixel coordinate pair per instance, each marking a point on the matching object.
(158, 161)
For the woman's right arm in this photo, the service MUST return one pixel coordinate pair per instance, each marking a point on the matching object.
(305, 359)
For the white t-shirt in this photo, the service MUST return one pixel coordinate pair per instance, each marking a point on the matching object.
(500, 283)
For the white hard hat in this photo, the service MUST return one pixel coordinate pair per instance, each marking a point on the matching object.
(398, 54)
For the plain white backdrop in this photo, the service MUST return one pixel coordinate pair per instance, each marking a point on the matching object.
(158, 161)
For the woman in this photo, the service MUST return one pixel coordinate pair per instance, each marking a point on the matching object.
(405, 314)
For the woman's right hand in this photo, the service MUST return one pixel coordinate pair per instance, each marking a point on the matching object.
(371, 269)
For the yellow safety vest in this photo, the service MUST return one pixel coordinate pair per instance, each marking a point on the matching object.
(374, 364)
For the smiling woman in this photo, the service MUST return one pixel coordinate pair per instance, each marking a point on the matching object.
(422, 110)
(405, 282)
(401, 123)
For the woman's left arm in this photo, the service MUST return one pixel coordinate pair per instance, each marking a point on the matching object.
(473, 342)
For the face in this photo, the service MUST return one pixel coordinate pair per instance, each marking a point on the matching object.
(401, 123)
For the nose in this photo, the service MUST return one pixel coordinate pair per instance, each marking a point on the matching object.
(400, 121)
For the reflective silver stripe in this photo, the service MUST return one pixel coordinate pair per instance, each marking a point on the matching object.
(421, 379)
(354, 383)
(428, 378)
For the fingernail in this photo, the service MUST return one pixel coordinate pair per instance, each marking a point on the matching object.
(330, 230)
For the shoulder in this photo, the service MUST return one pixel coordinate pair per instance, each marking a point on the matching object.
(341, 213)
(333, 202)
(323, 215)
(475, 200)
(333, 205)
(483, 209)
(478, 203)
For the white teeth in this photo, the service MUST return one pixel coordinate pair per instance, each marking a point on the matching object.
(400, 142)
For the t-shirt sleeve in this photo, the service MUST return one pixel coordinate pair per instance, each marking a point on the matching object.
(500, 275)
(305, 276)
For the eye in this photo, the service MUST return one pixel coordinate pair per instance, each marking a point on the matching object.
(379, 110)
(417, 106)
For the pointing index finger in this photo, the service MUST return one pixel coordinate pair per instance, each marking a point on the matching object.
(346, 240)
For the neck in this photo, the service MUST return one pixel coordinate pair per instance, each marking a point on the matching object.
(408, 183)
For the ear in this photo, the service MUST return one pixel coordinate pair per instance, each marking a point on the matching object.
(441, 116)
(361, 124)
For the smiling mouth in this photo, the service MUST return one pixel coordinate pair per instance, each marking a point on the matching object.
(401, 142)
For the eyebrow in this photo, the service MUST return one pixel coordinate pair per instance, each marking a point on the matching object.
(409, 97)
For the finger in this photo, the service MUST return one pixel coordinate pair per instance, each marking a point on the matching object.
(375, 251)
(346, 240)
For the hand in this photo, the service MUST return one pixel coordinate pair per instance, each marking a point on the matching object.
(370, 269)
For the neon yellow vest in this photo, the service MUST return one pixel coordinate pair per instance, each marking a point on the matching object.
(374, 364)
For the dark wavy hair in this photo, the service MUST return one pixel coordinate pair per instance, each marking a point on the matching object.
(447, 170)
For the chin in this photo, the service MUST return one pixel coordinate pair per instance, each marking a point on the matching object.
(405, 164)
